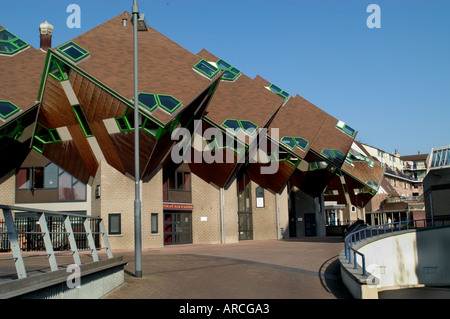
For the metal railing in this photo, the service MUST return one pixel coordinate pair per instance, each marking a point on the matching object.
(49, 231)
(369, 232)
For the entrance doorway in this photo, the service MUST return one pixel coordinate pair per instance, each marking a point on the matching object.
(310, 224)
(177, 228)
(245, 218)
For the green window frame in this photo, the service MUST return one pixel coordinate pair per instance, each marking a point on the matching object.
(293, 142)
(289, 141)
(7, 109)
(59, 70)
(73, 51)
(206, 68)
(301, 142)
(168, 102)
(147, 125)
(231, 73)
(232, 125)
(237, 125)
(151, 101)
(10, 43)
(227, 142)
(278, 91)
(83, 120)
(43, 136)
(346, 128)
(333, 154)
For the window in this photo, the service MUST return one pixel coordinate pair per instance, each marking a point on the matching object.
(301, 142)
(59, 70)
(275, 89)
(9, 43)
(152, 101)
(7, 109)
(73, 51)
(236, 125)
(180, 181)
(83, 120)
(154, 223)
(114, 224)
(231, 73)
(148, 100)
(289, 141)
(345, 128)
(168, 102)
(206, 68)
(249, 127)
(70, 188)
(233, 125)
(334, 154)
(23, 178)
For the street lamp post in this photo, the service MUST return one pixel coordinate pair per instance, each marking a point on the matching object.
(138, 25)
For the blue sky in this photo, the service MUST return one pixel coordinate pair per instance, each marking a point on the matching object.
(392, 84)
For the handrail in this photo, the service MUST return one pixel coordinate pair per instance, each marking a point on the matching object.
(357, 236)
(47, 240)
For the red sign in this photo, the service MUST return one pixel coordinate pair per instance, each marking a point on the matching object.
(169, 206)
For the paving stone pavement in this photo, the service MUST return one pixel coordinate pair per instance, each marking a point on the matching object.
(270, 269)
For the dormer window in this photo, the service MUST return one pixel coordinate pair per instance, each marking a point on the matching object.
(7, 109)
(73, 51)
(9, 43)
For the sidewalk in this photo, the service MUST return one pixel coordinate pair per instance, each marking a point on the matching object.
(272, 269)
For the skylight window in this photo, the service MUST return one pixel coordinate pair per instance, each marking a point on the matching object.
(231, 73)
(233, 125)
(237, 125)
(289, 141)
(334, 155)
(301, 142)
(152, 101)
(345, 128)
(275, 89)
(7, 109)
(59, 70)
(249, 127)
(148, 100)
(168, 102)
(73, 51)
(206, 68)
(293, 142)
(9, 43)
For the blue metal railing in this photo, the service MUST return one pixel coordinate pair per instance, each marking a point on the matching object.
(369, 232)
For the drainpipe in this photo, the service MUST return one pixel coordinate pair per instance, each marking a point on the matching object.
(277, 205)
(222, 215)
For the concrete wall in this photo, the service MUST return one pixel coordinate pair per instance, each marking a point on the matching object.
(401, 259)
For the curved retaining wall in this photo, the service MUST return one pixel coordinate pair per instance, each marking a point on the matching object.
(411, 258)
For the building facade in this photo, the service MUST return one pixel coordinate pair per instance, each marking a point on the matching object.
(223, 157)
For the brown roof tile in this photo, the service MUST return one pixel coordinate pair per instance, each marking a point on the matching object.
(21, 77)
(164, 66)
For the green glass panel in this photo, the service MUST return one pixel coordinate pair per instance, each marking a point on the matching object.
(7, 109)
(301, 142)
(169, 103)
(233, 125)
(6, 35)
(74, 51)
(6, 47)
(148, 100)
(206, 68)
(249, 127)
(289, 141)
(223, 65)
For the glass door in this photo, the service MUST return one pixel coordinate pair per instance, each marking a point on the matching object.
(177, 228)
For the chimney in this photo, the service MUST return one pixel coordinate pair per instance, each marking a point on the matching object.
(46, 30)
